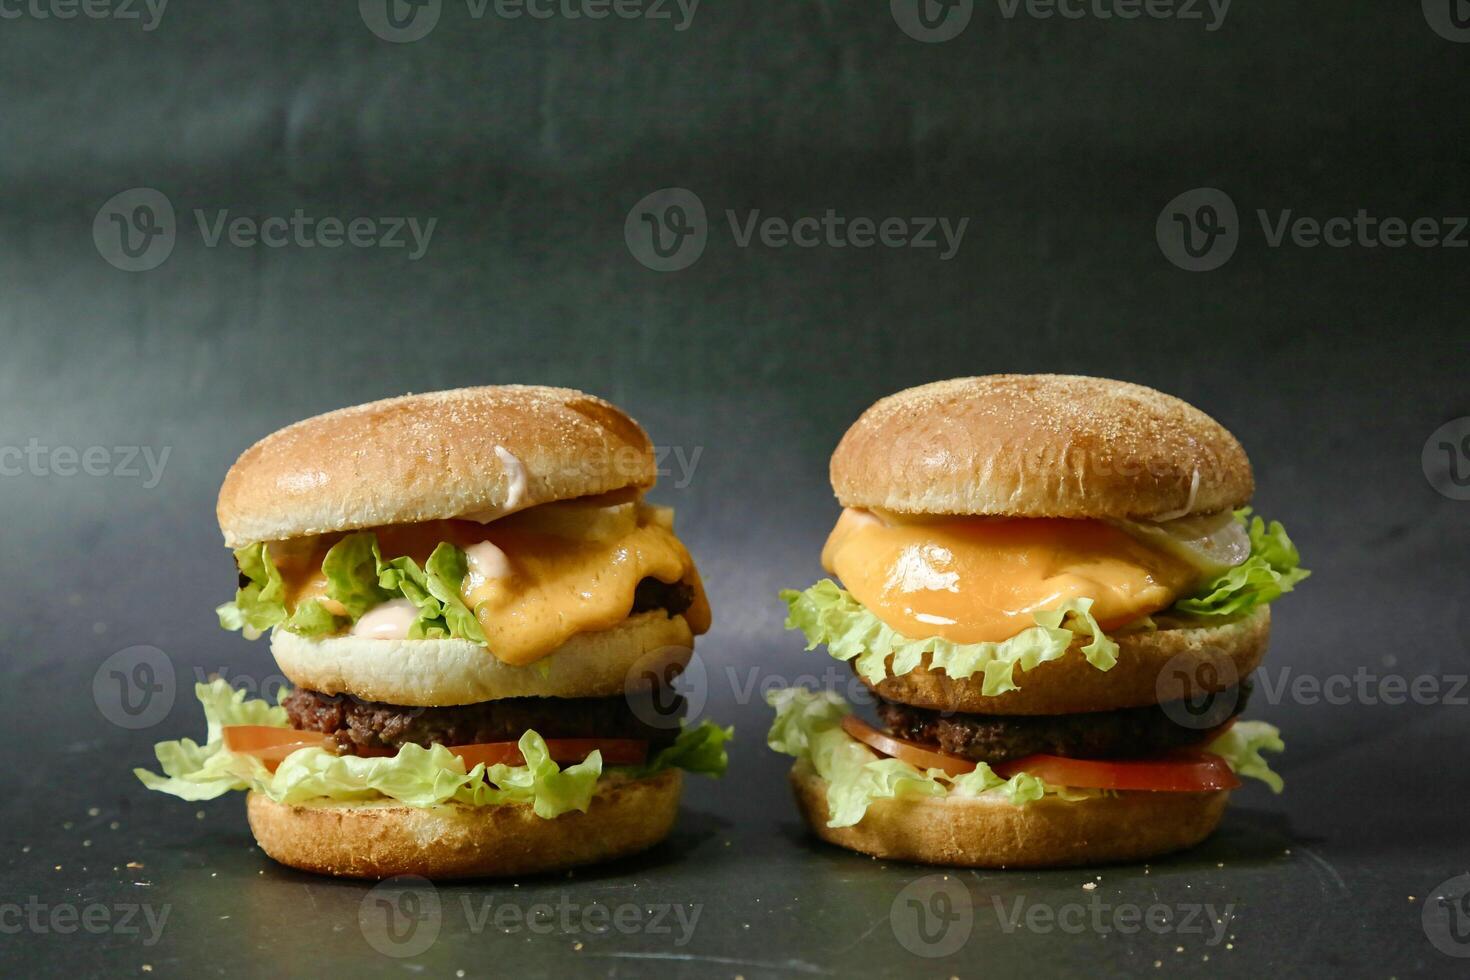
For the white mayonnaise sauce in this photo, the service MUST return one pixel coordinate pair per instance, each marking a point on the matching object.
(387, 621)
(486, 562)
(515, 473)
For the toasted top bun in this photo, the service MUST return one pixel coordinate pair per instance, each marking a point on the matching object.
(477, 453)
(1040, 445)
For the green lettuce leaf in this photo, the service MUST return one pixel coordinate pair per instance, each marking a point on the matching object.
(311, 618)
(351, 570)
(415, 776)
(827, 613)
(445, 571)
(260, 603)
(1242, 746)
(808, 727)
(1273, 568)
(359, 579)
(700, 749)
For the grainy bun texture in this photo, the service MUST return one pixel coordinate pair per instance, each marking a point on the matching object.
(1071, 685)
(1040, 445)
(976, 832)
(437, 673)
(470, 452)
(380, 840)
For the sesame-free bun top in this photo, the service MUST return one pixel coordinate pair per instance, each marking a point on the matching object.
(1040, 445)
(476, 453)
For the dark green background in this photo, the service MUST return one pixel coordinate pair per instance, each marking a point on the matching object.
(530, 141)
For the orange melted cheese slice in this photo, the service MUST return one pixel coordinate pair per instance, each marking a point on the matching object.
(973, 579)
(549, 587)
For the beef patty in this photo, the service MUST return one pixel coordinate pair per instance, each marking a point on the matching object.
(672, 597)
(1126, 733)
(353, 723)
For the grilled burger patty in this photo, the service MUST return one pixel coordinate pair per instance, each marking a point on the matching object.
(672, 597)
(352, 723)
(1126, 733)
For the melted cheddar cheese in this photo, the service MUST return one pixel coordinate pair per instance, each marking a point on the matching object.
(540, 589)
(973, 579)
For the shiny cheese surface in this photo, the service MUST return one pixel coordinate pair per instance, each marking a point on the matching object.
(973, 579)
(531, 590)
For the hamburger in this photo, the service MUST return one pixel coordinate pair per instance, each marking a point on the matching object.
(1053, 593)
(479, 616)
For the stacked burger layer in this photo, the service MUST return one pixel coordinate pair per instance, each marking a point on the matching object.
(1053, 593)
(480, 615)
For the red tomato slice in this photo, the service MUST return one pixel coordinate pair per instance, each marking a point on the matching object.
(250, 738)
(901, 748)
(1189, 771)
(615, 751)
(271, 746)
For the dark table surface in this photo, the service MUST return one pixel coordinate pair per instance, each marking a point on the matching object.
(528, 142)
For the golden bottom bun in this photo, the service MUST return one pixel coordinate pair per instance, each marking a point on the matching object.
(437, 673)
(1211, 657)
(969, 832)
(380, 840)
